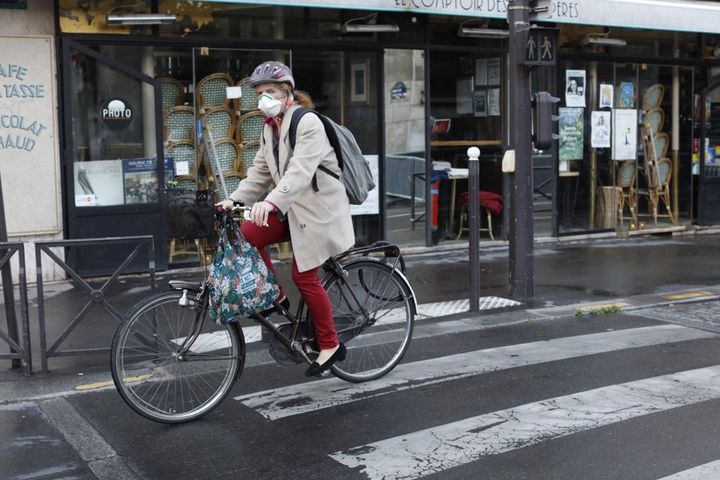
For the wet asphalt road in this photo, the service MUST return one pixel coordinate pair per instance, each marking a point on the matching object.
(632, 438)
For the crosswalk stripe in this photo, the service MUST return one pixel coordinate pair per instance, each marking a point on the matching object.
(443, 447)
(708, 471)
(306, 397)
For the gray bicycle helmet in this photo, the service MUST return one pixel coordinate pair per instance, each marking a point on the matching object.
(270, 72)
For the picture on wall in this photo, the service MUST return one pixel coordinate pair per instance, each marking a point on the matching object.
(600, 130)
(575, 88)
(480, 103)
(624, 134)
(606, 95)
(481, 72)
(571, 128)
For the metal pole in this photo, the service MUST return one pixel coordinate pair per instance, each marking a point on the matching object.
(521, 214)
(474, 226)
(7, 283)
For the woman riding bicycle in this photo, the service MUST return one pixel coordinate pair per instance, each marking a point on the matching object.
(313, 215)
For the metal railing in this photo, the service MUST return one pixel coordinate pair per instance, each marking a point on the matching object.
(97, 296)
(19, 349)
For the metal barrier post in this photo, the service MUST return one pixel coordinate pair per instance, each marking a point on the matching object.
(19, 351)
(97, 296)
(7, 283)
(474, 226)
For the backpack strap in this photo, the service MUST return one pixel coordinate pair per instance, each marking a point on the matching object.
(329, 131)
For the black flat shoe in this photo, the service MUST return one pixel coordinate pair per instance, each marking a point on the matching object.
(284, 302)
(317, 369)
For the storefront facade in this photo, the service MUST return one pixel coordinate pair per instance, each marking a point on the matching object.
(416, 98)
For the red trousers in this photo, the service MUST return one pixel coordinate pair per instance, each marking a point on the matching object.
(308, 282)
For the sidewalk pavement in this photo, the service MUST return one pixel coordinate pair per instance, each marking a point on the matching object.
(571, 278)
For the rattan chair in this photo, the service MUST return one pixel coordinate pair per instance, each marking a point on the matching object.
(172, 92)
(221, 122)
(228, 154)
(212, 91)
(248, 101)
(625, 188)
(182, 152)
(653, 96)
(179, 124)
(654, 120)
(659, 146)
(659, 189)
(251, 127)
(232, 180)
(247, 155)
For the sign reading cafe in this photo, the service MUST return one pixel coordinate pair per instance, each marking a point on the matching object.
(17, 130)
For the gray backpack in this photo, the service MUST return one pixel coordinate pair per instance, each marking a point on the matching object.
(356, 175)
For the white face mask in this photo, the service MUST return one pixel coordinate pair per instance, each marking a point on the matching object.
(269, 105)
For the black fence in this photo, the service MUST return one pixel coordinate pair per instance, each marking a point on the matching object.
(97, 296)
(19, 348)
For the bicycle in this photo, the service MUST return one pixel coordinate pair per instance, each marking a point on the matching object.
(171, 364)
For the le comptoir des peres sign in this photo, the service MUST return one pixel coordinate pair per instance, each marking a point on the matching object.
(16, 130)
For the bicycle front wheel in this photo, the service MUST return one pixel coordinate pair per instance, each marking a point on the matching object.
(160, 381)
(373, 318)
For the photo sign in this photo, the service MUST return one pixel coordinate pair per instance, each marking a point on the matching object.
(28, 143)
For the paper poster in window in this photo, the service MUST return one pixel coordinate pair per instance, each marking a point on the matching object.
(358, 82)
(575, 88)
(480, 103)
(464, 95)
(600, 128)
(99, 183)
(141, 184)
(606, 95)
(494, 102)
(493, 72)
(626, 97)
(624, 134)
(481, 72)
(571, 130)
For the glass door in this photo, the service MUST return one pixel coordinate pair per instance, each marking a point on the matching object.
(113, 157)
(709, 181)
(405, 162)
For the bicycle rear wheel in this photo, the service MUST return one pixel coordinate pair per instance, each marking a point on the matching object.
(159, 383)
(376, 343)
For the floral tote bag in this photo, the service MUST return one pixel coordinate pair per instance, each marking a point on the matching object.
(239, 282)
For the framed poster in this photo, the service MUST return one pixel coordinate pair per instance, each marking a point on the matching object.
(571, 133)
(359, 82)
(600, 130)
(624, 134)
(606, 95)
(575, 88)
(480, 108)
(481, 72)
(99, 183)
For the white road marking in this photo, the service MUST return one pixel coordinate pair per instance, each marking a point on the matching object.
(446, 446)
(306, 397)
(708, 471)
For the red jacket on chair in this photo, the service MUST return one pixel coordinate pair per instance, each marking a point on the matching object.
(488, 200)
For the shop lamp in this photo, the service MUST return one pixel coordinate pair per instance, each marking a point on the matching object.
(603, 41)
(369, 28)
(480, 32)
(140, 19)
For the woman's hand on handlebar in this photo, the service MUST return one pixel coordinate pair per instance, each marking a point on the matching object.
(225, 204)
(260, 212)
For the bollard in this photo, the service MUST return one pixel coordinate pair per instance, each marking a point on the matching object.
(474, 226)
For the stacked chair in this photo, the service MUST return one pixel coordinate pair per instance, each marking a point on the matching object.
(658, 166)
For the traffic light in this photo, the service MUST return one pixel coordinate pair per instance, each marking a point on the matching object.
(543, 120)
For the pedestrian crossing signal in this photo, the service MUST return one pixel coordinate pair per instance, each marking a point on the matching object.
(543, 120)
(540, 46)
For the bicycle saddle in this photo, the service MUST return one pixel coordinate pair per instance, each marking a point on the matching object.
(183, 285)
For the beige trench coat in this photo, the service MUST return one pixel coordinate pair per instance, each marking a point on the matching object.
(320, 222)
